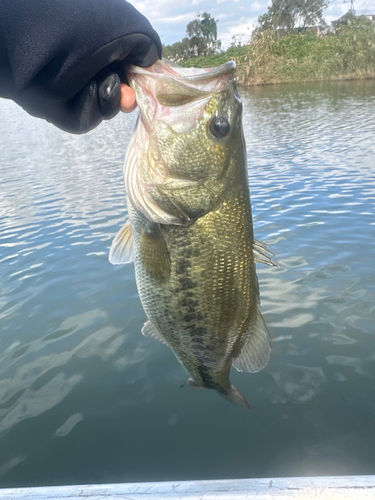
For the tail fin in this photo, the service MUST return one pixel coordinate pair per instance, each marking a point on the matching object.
(235, 397)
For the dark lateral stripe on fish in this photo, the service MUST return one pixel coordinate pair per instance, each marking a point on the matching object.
(186, 284)
(206, 378)
(196, 332)
(182, 266)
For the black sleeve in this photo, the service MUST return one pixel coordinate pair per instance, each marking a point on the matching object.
(63, 60)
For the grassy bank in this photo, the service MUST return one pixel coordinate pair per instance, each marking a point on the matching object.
(268, 58)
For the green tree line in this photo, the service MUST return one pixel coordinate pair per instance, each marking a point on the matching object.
(286, 45)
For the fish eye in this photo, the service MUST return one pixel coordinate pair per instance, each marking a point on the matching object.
(219, 126)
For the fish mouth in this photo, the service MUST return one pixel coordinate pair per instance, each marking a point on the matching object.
(165, 68)
(174, 86)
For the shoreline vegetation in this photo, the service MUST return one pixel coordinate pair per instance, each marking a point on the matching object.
(269, 58)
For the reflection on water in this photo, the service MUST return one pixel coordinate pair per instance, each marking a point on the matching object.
(298, 383)
(85, 398)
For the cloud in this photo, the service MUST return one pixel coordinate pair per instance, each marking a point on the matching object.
(186, 18)
(220, 17)
(257, 6)
(170, 17)
(242, 30)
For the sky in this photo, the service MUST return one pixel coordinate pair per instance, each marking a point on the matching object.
(235, 17)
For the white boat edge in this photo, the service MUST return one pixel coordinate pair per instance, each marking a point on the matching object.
(285, 488)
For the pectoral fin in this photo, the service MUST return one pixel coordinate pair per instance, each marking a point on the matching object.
(256, 351)
(154, 254)
(122, 248)
(150, 330)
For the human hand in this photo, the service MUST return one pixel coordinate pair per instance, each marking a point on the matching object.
(69, 60)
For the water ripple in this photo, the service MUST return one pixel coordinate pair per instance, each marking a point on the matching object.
(73, 365)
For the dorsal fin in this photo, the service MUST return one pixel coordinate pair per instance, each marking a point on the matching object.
(122, 248)
(256, 351)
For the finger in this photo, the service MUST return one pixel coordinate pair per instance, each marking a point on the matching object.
(128, 102)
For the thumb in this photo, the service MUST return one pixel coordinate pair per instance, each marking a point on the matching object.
(109, 90)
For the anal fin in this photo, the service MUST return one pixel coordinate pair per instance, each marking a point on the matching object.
(150, 330)
(255, 353)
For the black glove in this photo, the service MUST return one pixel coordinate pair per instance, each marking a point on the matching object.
(64, 60)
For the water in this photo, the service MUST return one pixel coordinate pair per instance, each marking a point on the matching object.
(84, 397)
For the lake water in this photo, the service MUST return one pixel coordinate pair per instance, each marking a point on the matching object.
(85, 398)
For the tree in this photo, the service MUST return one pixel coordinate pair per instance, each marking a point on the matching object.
(309, 13)
(278, 16)
(178, 51)
(202, 33)
(201, 40)
(289, 15)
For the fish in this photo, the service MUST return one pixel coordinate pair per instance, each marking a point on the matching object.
(190, 231)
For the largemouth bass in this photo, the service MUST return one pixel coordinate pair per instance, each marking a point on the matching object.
(190, 228)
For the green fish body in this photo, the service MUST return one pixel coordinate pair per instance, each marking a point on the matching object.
(190, 227)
